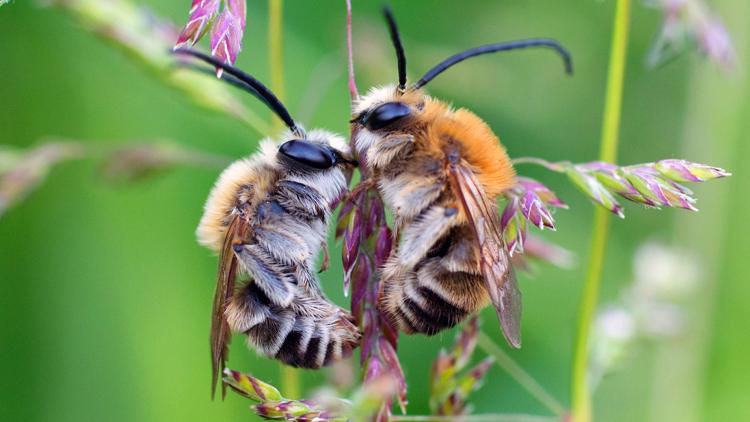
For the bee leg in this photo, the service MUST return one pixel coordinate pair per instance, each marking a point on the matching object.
(266, 325)
(248, 307)
(327, 332)
(382, 153)
(276, 281)
(421, 235)
(301, 199)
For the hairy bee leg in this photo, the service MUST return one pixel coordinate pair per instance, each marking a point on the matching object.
(409, 194)
(275, 281)
(310, 333)
(299, 198)
(422, 234)
(314, 343)
(266, 325)
(285, 233)
(287, 248)
(248, 307)
(268, 336)
(390, 148)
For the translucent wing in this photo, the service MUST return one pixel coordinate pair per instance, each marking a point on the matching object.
(499, 278)
(228, 266)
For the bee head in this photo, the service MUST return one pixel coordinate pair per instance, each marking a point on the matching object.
(391, 110)
(386, 112)
(318, 150)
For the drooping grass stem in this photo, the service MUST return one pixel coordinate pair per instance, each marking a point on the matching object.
(581, 401)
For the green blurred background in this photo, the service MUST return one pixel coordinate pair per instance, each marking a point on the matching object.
(105, 295)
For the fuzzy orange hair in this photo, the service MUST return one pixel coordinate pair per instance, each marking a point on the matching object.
(478, 144)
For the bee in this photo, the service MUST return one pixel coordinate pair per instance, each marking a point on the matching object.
(440, 170)
(267, 217)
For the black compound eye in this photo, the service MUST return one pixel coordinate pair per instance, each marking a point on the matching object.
(308, 153)
(384, 115)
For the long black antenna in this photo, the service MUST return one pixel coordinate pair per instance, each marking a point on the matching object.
(396, 40)
(250, 84)
(493, 48)
(228, 79)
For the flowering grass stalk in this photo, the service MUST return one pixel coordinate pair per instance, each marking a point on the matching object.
(655, 185)
(272, 405)
(450, 385)
(134, 163)
(367, 243)
(528, 203)
(227, 27)
(23, 171)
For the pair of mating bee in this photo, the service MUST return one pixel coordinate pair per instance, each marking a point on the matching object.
(439, 170)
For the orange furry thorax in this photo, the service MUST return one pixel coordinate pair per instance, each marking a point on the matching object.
(477, 144)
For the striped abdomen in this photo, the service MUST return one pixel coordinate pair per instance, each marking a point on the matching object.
(439, 291)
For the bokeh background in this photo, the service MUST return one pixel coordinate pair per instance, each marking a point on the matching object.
(105, 295)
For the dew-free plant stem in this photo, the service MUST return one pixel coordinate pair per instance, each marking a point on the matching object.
(581, 403)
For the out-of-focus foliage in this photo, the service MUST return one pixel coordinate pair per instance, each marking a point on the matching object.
(690, 24)
(106, 293)
(651, 308)
(22, 171)
(138, 162)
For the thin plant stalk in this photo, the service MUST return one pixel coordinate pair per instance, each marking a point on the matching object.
(487, 417)
(276, 51)
(352, 82)
(522, 377)
(290, 382)
(580, 388)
